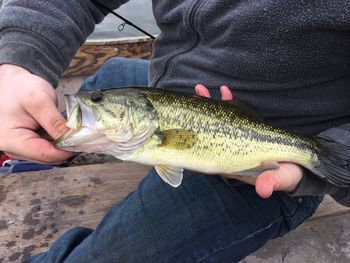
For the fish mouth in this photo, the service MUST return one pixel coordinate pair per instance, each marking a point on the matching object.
(82, 124)
(71, 102)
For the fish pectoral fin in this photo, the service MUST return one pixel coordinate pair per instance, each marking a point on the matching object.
(264, 166)
(170, 175)
(178, 139)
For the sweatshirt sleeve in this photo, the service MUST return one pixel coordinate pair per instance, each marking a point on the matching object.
(42, 36)
(313, 185)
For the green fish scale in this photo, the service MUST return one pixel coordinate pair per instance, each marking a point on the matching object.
(206, 115)
(224, 132)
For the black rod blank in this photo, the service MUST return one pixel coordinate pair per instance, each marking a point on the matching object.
(126, 21)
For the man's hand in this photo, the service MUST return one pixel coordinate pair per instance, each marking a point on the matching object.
(286, 178)
(27, 103)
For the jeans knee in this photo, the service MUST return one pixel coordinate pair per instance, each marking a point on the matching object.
(295, 210)
(118, 72)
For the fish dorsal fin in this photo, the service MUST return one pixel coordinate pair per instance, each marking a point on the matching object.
(246, 108)
(170, 175)
(178, 139)
(264, 166)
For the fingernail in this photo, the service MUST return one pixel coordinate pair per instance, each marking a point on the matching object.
(196, 89)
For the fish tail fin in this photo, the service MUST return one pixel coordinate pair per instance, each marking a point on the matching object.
(333, 164)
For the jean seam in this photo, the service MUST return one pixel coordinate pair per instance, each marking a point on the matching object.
(241, 240)
(287, 213)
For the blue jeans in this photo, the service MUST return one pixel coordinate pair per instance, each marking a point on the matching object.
(204, 220)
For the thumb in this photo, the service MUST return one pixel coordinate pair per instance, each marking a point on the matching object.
(286, 178)
(49, 118)
(266, 183)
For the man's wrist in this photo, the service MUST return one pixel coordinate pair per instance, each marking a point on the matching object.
(309, 185)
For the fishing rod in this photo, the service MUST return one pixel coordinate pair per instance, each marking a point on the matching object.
(126, 21)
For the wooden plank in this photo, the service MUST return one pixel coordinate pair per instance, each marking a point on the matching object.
(37, 207)
(94, 53)
(325, 240)
(328, 208)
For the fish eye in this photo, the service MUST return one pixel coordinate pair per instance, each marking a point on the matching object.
(96, 96)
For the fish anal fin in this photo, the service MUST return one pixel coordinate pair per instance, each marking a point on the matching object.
(170, 175)
(264, 166)
(178, 139)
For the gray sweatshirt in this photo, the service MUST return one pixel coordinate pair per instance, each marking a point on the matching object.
(289, 59)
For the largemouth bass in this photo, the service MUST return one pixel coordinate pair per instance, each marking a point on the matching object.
(175, 131)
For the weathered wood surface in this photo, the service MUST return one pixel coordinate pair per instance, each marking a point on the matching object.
(37, 207)
(94, 53)
(328, 208)
(325, 240)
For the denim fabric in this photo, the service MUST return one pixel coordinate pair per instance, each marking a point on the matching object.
(19, 166)
(119, 72)
(203, 220)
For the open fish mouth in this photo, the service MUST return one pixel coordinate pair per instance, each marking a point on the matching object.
(73, 111)
(82, 123)
(71, 102)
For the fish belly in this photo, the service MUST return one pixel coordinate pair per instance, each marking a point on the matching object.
(222, 156)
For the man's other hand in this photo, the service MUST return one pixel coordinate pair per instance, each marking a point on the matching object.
(286, 178)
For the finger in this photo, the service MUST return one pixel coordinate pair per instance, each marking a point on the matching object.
(17, 156)
(39, 150)
(25, 158)
(266, 183)
(49, 118)
(201, 90)
(226, 93)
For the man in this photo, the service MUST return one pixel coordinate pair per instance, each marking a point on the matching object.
(288, 59)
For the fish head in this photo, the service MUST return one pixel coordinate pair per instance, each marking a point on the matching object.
(105, 121)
